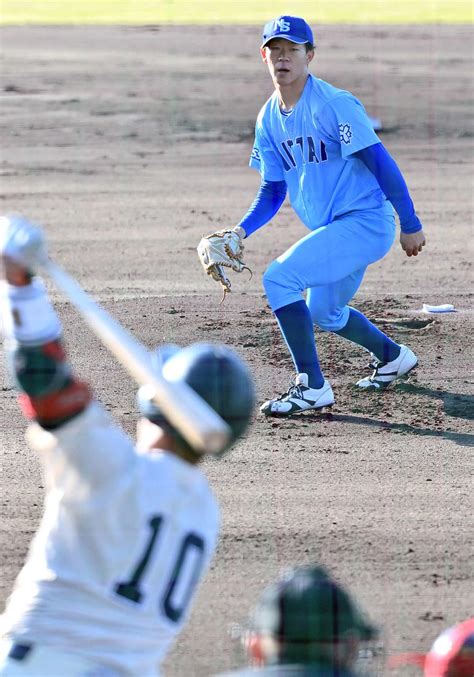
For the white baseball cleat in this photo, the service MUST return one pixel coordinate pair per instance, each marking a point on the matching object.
(374, 361)
(384, 374)
(300, 397)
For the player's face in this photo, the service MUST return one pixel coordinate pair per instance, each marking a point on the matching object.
(286, 61)
(149, 435)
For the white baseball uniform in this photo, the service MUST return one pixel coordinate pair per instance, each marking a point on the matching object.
(123, 542)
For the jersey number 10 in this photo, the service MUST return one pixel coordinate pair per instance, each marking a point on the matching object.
(172, 607)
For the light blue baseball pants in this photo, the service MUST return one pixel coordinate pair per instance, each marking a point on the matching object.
(330, 263)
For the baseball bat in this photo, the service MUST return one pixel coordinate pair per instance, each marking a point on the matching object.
(195, 420)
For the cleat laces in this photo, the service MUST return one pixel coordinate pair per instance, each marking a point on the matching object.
(293, 390)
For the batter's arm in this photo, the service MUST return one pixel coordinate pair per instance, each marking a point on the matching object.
(391, 181)
(69, 425)
(48, 391)
(268, 201)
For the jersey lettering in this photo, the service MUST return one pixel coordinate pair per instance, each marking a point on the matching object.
(178, 596)
(286, 145)
(299, 141)
(312, 157)
(307, 151)
(131, 589)
(323, 154)
(185, 573)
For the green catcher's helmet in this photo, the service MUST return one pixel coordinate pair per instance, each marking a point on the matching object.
(305, 612)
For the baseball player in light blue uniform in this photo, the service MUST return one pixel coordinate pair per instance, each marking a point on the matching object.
(316, 143)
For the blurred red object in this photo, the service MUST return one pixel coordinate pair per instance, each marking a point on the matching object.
(452, 654)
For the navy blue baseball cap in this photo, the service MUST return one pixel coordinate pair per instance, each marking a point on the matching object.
(292, 28)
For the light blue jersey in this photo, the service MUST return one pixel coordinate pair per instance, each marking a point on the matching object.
(344, 186)
(310, 149)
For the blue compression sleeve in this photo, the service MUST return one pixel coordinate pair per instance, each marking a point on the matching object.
(391, 181)
(267, 202)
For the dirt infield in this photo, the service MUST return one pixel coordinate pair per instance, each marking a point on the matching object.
(129, 144)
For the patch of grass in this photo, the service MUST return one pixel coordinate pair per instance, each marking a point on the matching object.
(232, 11)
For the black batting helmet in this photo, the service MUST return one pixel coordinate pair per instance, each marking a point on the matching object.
(216, 373)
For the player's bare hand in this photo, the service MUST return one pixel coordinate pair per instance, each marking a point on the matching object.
(14, 273)
(412, 243)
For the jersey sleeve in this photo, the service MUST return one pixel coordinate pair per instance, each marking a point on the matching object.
(86, 453)
(264, 158)
(344, 120)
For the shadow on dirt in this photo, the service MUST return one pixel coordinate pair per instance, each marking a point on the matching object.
(462, 439)
(460, 406)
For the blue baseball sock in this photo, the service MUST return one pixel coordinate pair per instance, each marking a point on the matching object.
(297, 328)
(360, 330)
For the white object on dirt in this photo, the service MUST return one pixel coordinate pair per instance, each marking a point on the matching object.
(443, 308)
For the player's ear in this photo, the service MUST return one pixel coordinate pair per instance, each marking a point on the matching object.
(263, 54)
(309, 56)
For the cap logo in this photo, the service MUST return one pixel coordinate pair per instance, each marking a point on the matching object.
(291, 28)
(281, 25)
